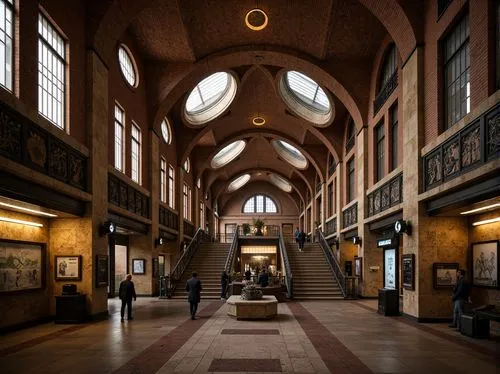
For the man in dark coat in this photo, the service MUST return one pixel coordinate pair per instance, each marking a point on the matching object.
(460, 296)
(224, 279)
(193, 288)
(302, 239)
(263, 278)
(126, 293)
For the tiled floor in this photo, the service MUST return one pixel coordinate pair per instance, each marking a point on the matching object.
(307, 337)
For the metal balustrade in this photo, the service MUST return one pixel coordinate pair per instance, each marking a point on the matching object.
(333, 262)
(287, 271)
(229, 266)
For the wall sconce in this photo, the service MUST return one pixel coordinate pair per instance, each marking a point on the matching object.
(21, 222)
(356, 240)
(402, 226)
(107, 228)
(159, 241)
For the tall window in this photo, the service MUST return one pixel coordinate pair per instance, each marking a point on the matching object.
(380, 150)
(330, 199)
(163, 180)
(190, 209)
(393, 116)
(389, 67)
(260, 204)
(351, 135)
(351, 193)
(51, 72)
(6, 35)
(136, 154)
(456, 73)
(186, 193)
(119, 138)
(498, 43)
(202, 215)
(171, 187)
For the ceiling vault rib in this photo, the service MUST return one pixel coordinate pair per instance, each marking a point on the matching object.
(186, 31)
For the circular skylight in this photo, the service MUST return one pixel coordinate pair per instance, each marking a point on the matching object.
(306, 98)
(210, 98)
(280, 182)
(238, 182)
(228, 154)
(187, 165)
(166, 132)
(127, 66)
(290, 154)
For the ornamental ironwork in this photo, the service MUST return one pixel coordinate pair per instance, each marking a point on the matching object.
(168, 218)
(386, 196)
(385, 92)
(473, 146)
(331, 227)
(123, 195)
(188, 229)
(350, 215)
(26, 143)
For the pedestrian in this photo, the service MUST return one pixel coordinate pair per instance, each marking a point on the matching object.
(224, 279)
(297, 235)
(126, 293)
(302, 239)
(248, 275)
(193, 288)
(263, 278)
(460, 296)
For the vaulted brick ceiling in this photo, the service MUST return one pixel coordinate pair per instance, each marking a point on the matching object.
(338, 36)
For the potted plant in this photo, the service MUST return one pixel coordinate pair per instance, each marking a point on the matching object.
(259, 225)
(246, 229)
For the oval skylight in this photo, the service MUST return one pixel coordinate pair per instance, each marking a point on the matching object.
(238, 182)
(290, 154)
(127, 66)
(166, 131)
(280, 182)
(210, 98)
(228, 154)
(306, 98)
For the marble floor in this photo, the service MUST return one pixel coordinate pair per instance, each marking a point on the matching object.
(307, 337)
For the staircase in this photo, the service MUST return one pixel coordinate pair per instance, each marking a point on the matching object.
(209, 263)
(312, 276)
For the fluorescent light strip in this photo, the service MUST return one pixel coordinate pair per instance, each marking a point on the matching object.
(28, 210)
(483, 208)
(21, 222)
(486, 221)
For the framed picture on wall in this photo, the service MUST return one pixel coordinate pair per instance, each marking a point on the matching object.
(485, 264)
(102, 270)
(408, 271)
(22, 266)
(444, 274)
(138, 266)
(358, 262)
(390, 268)
(68, 268)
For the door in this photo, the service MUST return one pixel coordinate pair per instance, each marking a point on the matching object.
(118, 262)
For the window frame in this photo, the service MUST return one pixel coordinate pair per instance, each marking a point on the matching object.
(163, 180)
(394, 135)
(388, 67)
(379, 138)
(9, 35)
(265, 198)
(165, 124)
(171, 186)
(122, 126)
(351, 180)
(330, 199)
(497, 43)
(133, 64)
(202, 215)
(62, 58)
(136, 142)
(447, 62)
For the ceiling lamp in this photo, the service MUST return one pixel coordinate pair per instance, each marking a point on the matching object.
(492, 206)
(256, 20)
(486, 221)
(258, 121)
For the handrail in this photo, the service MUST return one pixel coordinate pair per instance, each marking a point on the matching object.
(186, 257)
(232, 252)
(332, 261)
(288, 270)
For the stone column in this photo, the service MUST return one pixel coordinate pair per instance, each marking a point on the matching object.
(154, 183)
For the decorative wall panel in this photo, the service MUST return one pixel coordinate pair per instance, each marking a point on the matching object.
(350, 215)
(331, 227)
(169, 218)
(386, 196)
(23, 141)
(473, 146)
(127, 197)
(188, 229)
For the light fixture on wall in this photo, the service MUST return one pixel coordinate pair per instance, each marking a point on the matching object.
(107, 228)
(160, 241)
(27, 210)
(486, 221)
(356, 240)
(487, 207)
(21, 222)
(402, 226)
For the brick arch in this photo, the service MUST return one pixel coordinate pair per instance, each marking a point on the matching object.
(396, 22)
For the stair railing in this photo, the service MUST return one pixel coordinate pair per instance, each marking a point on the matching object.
(231, 255)
(186, 257)
(332, 261)
(287, 271)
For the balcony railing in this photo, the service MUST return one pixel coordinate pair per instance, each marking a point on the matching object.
(231, 255)
(331, 227)
(268, 230)
(385, 92)
(386, 196)
(123, 195)
(168, 218)
(286, 262)
(350, 215)
(188, 229)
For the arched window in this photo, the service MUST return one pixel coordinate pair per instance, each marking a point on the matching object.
(389, 67)
(260, 204)
(128, 66)
(350, 136)
(166, 131)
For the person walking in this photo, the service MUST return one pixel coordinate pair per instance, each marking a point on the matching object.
(224, 279)
(297, 235)
(460, 296)
(193, 288)
(248, 275)
(263, 278)
(126, 293)
(302, 239)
